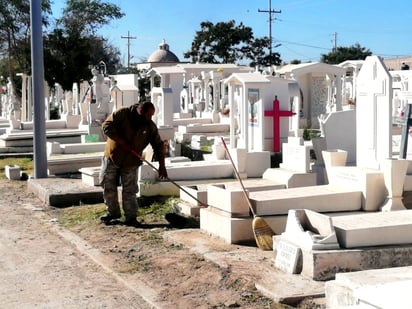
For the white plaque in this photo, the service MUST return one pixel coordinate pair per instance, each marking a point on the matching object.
(288, 257)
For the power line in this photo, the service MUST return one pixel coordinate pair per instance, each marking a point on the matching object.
(128, 37)
(306, 45)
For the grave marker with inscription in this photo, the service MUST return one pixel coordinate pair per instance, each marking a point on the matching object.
(288, 257)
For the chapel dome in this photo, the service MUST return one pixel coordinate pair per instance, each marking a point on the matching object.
(163, 54)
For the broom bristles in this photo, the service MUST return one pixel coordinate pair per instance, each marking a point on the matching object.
(263, 234)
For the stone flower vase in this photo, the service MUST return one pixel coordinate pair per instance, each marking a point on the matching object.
(394, 172)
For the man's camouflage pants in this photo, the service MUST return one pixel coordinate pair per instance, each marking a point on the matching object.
(110, 178)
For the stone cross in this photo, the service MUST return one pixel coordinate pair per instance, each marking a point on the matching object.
(373, 114)
(276, 113)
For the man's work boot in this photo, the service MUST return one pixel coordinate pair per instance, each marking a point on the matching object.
(107, 218)
(132, 222)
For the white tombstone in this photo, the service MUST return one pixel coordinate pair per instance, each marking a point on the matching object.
(58, 98)
(75, 106)
(85, 99)
(11, 99)
(162, 99)
(296, 155)
(335, 137)
(67, 103)
(26, 102)
(99, 107)
(373, 114)
(206, 95)
(3, 101)
(124, 90)
(295, 102)
(216, 77)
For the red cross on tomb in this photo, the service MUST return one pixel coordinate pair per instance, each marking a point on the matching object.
(276, 113)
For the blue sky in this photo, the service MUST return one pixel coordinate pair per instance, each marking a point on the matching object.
(304, 28)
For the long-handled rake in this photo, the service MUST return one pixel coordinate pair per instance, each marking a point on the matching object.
(173, 218)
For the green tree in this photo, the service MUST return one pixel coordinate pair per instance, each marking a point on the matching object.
(73, 46)
(87, 16)
(74, 55)
(15, 54)
(257, 52)
(340, 54)
(219, 43)
(70, 47)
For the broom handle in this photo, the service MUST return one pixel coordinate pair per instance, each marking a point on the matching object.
(238, 178)
(136, 154)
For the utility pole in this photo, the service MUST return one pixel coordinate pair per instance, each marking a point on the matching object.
(128, 37)
(270, 12)
(335, 41)
(37, 66)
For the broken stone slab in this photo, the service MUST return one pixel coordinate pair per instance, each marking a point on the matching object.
(306, 230)
(310, 230)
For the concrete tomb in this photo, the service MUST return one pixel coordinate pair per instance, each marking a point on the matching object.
(374, 229)
(376, 288)
(346, 242)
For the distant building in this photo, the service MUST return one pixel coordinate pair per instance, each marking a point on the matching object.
(394, 64)
(160, 57)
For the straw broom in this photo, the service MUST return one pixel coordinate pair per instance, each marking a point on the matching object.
(261, 230)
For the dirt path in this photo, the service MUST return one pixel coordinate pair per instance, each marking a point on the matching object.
(41, 269)
(95, 266)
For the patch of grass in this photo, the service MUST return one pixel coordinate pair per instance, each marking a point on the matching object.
(26, 165)
(309, 133)
(154, 209)
(135, 264)
(71, 216)
(151, 209)
(152, 237)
